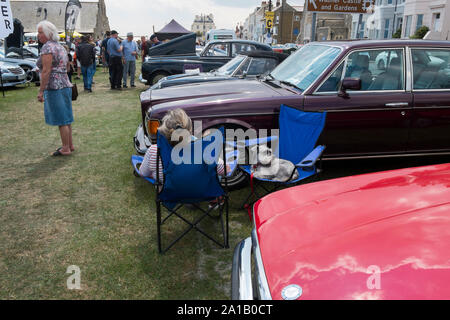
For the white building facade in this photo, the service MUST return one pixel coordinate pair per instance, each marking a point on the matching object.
(384, 21)
(202, 24)
(435, 14)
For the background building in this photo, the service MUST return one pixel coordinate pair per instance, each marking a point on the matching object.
(92, 20)
(329, 26)
(435, 14)
(402, 18)
(386, 19)
(287, 22)
(202, 24)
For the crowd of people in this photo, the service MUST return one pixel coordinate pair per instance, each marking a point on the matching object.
(120, 57)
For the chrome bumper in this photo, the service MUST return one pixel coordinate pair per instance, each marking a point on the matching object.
(241, 274)
(249, 283)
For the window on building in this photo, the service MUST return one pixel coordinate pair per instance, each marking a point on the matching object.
(408, 26)
(386, 28)
(361, 30)
(437, 22)
(355, 25)
(389, 1)
(399, 23)
(419, 21)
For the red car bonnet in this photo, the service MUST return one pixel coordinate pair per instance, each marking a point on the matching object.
(333, 237)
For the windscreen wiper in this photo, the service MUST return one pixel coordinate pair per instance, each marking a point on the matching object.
(266, 78)
(290, 84)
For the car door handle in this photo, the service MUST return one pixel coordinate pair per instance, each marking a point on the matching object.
(397, 104)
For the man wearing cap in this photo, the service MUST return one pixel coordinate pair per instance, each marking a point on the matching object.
(130, 52)
(115, 61)
(154, 40)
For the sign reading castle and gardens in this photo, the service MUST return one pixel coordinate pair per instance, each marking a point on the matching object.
(339, 6)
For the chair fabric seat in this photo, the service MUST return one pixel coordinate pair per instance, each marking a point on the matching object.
(302, 174)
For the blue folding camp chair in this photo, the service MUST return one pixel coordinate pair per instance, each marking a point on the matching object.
(189, 183)
(299, 132)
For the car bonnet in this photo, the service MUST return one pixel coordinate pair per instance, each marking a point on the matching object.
(335, 239)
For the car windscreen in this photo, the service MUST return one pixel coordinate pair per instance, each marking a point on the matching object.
(228, 68)
(302, 68)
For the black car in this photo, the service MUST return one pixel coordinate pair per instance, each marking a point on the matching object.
(172, 57)
(245, 65)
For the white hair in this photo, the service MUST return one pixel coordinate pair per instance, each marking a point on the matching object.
(49, 30)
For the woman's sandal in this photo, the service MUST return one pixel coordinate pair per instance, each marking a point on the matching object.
(59, 153)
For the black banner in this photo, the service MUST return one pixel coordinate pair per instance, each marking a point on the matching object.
(73, 9)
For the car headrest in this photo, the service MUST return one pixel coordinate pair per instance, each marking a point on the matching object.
(395, 64)
(362, 61)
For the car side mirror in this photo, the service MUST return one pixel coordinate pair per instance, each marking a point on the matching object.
(349, 84)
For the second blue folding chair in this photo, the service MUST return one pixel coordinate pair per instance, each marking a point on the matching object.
(299, 132)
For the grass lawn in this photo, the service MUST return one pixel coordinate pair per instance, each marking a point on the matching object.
(90, 211)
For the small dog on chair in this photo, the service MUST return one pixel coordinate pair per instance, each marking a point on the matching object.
(265, 165)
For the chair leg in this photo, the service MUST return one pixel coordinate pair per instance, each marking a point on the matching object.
(227, 229)
(194, 225)
(158, 224)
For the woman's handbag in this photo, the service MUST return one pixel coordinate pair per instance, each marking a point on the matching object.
(74, 92)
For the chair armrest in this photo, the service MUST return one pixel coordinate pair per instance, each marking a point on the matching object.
(232, 159)
(311, 159)
(252, 142)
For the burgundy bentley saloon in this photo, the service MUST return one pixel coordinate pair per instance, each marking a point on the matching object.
(383, 98)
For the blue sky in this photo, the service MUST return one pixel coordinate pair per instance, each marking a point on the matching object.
(140, 16)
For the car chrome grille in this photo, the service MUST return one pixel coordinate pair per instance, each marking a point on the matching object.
(15, 70)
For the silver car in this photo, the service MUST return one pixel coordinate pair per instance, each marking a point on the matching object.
(28, 64)
(12, 74)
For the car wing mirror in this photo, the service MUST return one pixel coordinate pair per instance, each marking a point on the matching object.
(349, 84)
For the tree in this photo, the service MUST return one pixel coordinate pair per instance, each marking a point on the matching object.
(420, 33)
(397, 34)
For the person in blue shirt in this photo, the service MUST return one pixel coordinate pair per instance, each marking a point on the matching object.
(130, 53)
(115, 51)
(154, 40)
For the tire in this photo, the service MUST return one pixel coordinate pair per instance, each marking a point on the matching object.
(29, 73)
(156, 77)
(239, 179)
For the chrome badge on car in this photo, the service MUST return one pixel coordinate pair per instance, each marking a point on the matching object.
(292, 292)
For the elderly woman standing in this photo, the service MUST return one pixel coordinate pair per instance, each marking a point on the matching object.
(56, 89)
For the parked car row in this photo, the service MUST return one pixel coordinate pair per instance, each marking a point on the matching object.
(179, 55)
(24, 58)
(400, 111)
(337, 239)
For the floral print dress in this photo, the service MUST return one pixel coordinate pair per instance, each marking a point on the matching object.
(58, 76)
